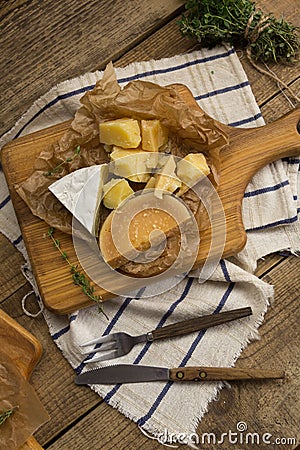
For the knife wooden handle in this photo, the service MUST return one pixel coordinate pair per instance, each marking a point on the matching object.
(200, 323)
(221, 373)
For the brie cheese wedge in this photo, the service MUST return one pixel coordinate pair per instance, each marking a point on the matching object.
(81, 193)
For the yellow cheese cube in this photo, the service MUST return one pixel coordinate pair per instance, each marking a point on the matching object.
(135, 165)
(191, 169)
(154, 135)
(167, 180)
(115, 192)
(151, 183)
(122, 132)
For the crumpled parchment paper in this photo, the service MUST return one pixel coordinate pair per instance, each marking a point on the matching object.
(29, 414)
(190, 130)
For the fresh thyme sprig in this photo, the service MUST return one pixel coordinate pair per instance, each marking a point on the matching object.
(240, 23)
(79, 279)
(4, 415)
(59, 167)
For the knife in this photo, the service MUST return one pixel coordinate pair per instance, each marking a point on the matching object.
(131, 373)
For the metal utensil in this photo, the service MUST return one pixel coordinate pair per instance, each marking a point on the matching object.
(119, 344)
(131, 373)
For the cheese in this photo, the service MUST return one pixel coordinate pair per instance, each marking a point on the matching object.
(151, 183)
(144, 231)
(141, 230)
(81, 192)
(122, 132)
(154, 135)
(191, 169)
(167, 180)
(115, 191)
(135, 165)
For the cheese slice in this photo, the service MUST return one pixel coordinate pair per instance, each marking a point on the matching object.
(81, 193)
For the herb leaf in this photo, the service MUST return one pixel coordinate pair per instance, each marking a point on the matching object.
(78, 277)
(60, 166)
(4, 415)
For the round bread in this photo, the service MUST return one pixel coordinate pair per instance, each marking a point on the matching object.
(149, 230)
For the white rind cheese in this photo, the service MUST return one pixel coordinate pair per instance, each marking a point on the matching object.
(81, 193)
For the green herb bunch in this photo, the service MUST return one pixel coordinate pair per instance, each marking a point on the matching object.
(239, 23)
(78, 277)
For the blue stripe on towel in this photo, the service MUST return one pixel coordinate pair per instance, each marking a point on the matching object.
(189, 354)
(224, 270)
(160, 324)
(52, 103)
(291, 160)
(223, 90)
(178, 67)
(4, 202)
(124, 80)
(18, 240)
(264, 190)
(246, 120)
(108, 329)
(274, 224)
(64, 330)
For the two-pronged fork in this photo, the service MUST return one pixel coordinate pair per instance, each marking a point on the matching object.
(119, 344)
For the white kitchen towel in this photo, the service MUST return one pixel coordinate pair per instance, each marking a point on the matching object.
(270, 211)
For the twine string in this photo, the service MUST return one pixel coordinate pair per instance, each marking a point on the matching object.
(251, 36)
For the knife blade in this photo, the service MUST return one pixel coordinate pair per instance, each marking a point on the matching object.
(131, 373)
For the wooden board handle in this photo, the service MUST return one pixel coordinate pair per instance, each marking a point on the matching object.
(221, 373)
(31, 444)
(253, 148)
(200, 323)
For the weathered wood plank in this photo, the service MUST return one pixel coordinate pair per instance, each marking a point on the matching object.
(45, 43)
(10, 269)
(111, 431)
(267, 263)
(279, 104)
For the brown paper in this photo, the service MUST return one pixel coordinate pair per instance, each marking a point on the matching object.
(29, 414)
(190, 129)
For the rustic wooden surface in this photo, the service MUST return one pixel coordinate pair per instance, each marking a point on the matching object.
(44, 43)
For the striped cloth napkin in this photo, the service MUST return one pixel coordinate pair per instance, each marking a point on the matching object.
(270, 208)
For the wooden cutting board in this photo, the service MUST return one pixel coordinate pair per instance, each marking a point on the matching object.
(25, 350)
(248, 151)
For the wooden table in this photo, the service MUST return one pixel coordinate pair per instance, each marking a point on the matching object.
(44, 43)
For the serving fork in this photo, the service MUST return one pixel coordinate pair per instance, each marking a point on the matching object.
(119, 344)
